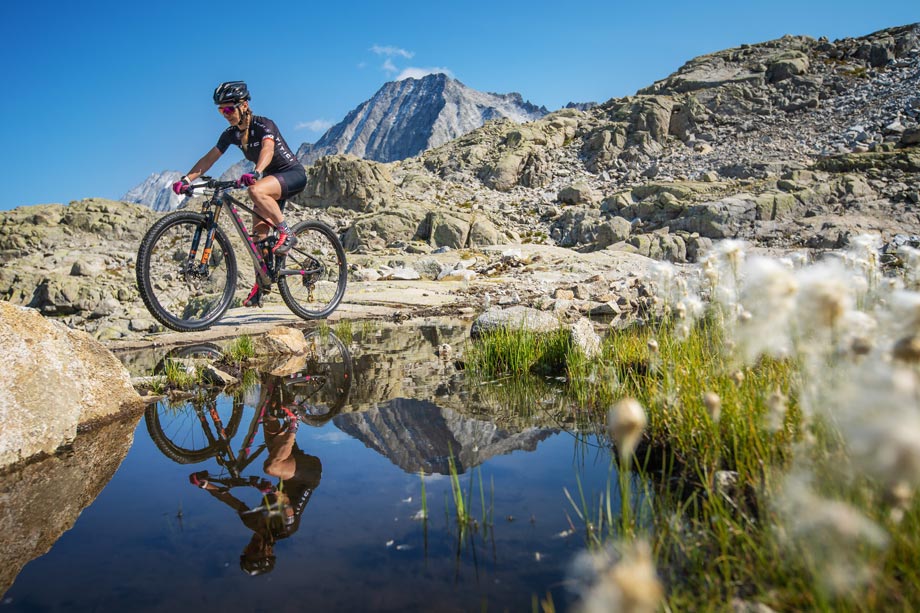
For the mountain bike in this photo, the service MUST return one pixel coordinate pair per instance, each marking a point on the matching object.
(187, 272)
(192, 430)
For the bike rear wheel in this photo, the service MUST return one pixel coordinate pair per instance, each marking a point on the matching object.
(320, 390)
(313, 275)
(180, 292)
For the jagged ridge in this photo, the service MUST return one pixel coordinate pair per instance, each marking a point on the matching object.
(407, 117)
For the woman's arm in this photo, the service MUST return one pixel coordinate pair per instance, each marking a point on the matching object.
(202, 165)
(266, 155)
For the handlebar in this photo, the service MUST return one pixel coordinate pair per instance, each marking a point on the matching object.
(210, 183)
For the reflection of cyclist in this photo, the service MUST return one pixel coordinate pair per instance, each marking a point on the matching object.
(298, 473)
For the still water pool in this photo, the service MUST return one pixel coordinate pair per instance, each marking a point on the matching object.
(228, 507)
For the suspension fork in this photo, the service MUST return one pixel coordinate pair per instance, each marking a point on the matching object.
(211, 217)
(210, 222)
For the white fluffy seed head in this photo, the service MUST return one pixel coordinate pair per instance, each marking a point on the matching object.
(626, 421)
(825, 296)
(713, 405)
(776, 411)
(622, 578)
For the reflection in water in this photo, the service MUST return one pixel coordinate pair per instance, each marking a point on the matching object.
(154, 542)
(311, 389)
(41, 500)
(419, 435)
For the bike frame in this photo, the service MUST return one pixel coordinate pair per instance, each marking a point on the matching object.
(237, 462)
(211, 209)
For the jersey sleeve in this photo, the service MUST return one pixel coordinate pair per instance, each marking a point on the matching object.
(271, 130)
(224, 141)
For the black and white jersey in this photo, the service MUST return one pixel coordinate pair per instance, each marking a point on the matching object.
(260, 128)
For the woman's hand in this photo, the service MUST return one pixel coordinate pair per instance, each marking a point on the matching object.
(180, 186)
(249, 178)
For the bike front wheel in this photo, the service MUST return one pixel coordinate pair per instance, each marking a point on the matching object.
(188, 434)
(313, 275)
(179, 290)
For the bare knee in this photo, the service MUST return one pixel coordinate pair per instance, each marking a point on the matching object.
(257, 193)
(282, 469)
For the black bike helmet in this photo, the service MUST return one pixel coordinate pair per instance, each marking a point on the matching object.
(258, 566)
(231, 92)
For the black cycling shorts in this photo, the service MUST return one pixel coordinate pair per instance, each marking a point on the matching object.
(292, 181)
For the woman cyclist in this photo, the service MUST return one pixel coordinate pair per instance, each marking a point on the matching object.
(277, 174)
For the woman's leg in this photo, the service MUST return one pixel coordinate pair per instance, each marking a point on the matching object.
(265, 194)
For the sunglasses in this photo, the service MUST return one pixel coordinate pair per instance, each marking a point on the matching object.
(228, 110)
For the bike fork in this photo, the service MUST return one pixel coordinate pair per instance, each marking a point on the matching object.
(211, 225)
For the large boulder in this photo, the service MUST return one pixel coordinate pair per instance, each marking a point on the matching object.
(347, 182)
(385, 227)
(280, 340)
(579, 193)
(514, 318)
(615, 230)
(444, 229)
(577, 226)
(788, 66)
(725, 218)
(56, 379)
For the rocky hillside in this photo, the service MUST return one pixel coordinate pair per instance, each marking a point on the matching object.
(407, 117)
(794, 143)
(790, 143)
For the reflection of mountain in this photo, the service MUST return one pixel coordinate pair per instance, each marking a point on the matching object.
(418, 435)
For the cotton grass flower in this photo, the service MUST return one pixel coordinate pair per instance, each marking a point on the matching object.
(862, 256)
(825, 295)
(902, 317)
(618, 579)
(626, 422)
(769, 296)
(907, 349)
(911, 259)
(880, 421)
(857, 334)
(676, 293)
(776, 411)
(829, 534)
(722, 270)
(713, 405)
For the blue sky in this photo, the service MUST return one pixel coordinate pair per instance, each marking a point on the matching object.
(100, 94)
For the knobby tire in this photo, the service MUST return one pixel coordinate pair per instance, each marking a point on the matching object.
(149, 293)
(315, 295)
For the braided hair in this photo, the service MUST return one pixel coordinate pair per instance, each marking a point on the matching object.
(243, 127)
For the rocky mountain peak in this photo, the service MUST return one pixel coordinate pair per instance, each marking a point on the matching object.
(409, 116)
(156, 191)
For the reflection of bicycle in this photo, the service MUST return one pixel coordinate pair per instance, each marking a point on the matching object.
(203, 426)
(186, 266)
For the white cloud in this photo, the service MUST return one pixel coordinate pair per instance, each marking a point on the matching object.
(332, 437)
(391, 51)
(418, 73)
(389, 66)
(317, 125)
